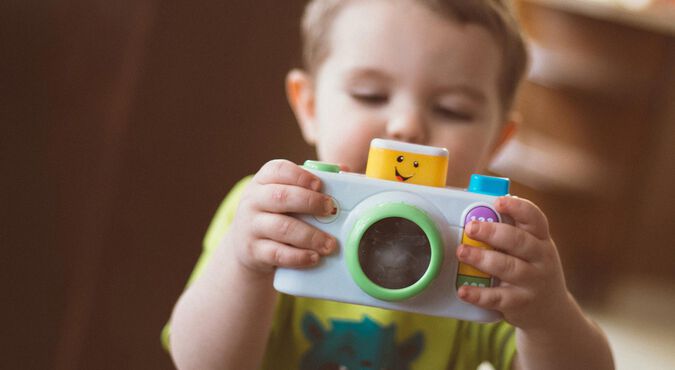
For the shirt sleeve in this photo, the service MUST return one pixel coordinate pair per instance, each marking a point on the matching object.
(216, 231)
(496, 343)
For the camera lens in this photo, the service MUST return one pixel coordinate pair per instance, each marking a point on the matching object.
(394, 253)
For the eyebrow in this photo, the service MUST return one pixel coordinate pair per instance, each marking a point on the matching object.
(367, 72)
(469, 91)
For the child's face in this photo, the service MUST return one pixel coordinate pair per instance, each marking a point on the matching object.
(397, 71)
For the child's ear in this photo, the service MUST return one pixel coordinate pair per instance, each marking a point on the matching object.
(300, 93)
(508, 131)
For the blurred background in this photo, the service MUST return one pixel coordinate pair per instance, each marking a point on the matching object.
(126, 122)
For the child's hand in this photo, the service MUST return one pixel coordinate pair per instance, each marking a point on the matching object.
(263, 236)
(526, 261)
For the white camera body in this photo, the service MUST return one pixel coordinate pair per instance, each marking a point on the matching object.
(396, 245)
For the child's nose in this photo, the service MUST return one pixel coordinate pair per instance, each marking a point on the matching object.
(408, 126)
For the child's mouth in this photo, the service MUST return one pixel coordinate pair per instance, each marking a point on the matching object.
(399, 176)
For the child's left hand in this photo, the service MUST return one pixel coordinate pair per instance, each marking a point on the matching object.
(524, 258)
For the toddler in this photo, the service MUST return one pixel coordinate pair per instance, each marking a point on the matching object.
(433, 72)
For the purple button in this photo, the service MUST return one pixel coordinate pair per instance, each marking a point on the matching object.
(481, 213)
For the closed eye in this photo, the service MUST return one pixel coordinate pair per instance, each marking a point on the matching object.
(370, 98)
(452, 114)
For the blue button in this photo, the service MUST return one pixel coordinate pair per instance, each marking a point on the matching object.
(489, 185)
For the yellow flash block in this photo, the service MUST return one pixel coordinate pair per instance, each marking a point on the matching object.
(409, 163)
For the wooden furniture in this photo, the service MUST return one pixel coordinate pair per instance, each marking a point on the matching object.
(597, 147)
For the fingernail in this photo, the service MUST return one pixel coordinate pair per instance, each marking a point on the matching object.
(315, 185)
(328, 245)
(462, 293)
(474, 226)
(501, 202)
(329, 207)
(314, 258)
(463, 251)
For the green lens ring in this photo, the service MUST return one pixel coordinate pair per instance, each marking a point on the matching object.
(378, 213)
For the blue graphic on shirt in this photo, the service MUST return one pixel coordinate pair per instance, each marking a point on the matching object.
(357, 345)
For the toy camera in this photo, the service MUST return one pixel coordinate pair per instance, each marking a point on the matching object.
(397, 229)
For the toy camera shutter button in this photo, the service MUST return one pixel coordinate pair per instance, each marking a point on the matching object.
(488, 185)
(325, 167)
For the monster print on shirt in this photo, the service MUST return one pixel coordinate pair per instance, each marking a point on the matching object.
(357, 345)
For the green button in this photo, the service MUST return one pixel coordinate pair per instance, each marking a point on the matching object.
(322, 166)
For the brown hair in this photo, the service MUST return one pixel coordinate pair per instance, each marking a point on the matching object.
(493, 15)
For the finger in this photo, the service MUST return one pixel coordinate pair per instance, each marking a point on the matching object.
(291, 231)
(507, 268)
(507, 238)
(272, 253)
(527, 215)
(286, 198)
(497, 298)
(281, 171)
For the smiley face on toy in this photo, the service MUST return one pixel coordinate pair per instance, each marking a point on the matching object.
(409, 163)
(400, 159)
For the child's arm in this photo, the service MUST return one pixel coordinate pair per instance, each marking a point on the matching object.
(223, 319)
(552, 331)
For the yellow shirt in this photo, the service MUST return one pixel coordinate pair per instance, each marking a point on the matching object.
(311, 334)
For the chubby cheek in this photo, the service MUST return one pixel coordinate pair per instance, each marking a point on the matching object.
(339, 154)
(347, 145)
(459, 173)
(466, 157)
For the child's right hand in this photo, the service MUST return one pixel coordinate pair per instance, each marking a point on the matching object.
(263, 236)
